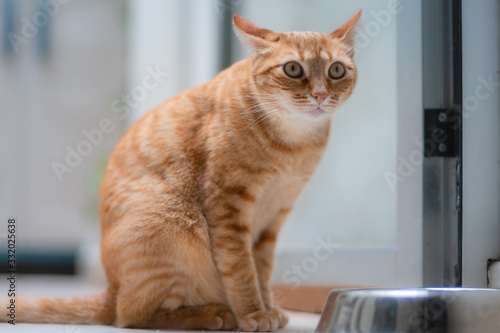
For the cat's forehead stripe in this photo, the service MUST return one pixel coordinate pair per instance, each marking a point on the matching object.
(302, 34)
(310, 45)
(308, 53)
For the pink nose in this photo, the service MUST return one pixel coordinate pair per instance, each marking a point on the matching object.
(319, 96)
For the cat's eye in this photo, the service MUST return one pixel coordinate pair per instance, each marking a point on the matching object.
(293, 69)
(336, 70)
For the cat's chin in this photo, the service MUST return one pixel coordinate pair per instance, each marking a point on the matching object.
(309, 115)
(313, 115)
(316, 113)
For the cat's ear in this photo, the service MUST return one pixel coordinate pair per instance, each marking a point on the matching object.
(347, 32)
(252, 35)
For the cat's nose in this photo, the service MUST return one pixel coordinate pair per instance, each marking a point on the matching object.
(319, 95)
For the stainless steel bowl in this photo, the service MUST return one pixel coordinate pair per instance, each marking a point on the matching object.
(429, 310)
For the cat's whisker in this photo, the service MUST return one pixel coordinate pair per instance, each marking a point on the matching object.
(260, 108)
(255, 122)
(264, 113)
(258, 93)
(253, 93)
(262, 97)
(265, 116)
(261, 105)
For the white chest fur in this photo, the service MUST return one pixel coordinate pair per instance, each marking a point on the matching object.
(277, 196)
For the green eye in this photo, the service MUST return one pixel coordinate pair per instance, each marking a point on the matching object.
(336, 70)
(293, 69)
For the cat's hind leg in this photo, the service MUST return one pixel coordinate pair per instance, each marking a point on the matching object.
(162, 269)
(159, 301)
(210, 317)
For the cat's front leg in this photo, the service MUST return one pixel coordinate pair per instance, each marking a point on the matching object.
(232, 251)
(263, 252)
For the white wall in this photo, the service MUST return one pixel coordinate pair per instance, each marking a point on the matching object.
(180, 37)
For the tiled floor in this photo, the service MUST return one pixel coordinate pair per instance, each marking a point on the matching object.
(59, 286)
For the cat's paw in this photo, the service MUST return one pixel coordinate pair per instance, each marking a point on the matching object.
(261, 321)
(281, 315)
(221, 318)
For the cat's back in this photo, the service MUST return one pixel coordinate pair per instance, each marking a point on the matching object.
(170, 131)
(174, 122)
(165, 149)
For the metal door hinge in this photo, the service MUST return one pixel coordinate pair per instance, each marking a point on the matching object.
(493, 273)
(441, 132)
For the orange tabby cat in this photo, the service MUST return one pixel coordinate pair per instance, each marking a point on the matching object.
(196, 192)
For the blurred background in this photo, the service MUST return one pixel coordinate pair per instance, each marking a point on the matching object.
(75, 74)
(67, 66)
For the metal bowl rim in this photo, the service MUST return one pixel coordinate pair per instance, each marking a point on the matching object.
(392, 292)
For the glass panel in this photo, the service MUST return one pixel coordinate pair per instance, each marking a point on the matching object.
(354, 199)
(351, 200)
(481, 137)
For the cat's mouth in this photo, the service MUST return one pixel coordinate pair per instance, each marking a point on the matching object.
(316, 112)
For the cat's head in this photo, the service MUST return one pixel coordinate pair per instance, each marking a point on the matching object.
(304, 74)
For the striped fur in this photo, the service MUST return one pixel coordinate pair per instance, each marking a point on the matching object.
(195, 193)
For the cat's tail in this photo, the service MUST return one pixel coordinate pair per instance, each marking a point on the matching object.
(96, 309)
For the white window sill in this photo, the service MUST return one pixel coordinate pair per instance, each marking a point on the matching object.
(72, 286)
